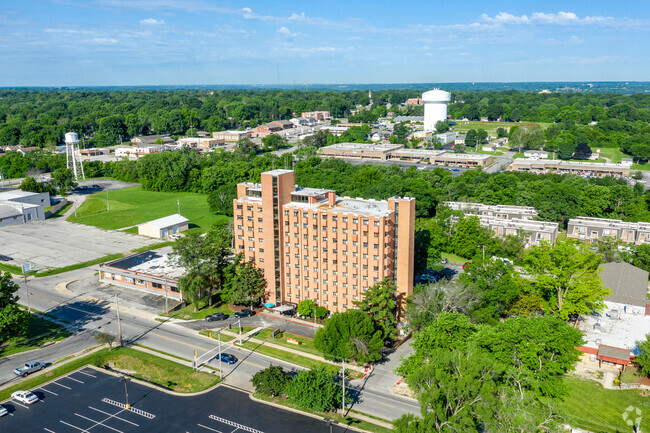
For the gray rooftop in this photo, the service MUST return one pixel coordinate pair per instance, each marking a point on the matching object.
(7, 211)
(628, 284)
(168, 221)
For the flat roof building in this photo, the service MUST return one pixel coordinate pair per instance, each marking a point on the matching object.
(149, 271)
(18, 206)
(543, 166)
(359, 150)
(497, 211)
(198, 142)
(312, 244)
(589, 228)
(317, 115)
(229, 136)
(163, 227)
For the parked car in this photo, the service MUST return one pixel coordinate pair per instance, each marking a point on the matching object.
(175, 236)
(466, 265)
(444, 261)
(5, 258)
(26, 397)
(3, 411)
(216, 316)
(29, 367)
(244, 313)
(227, 358)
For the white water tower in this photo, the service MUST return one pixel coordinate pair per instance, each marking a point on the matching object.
(71, 151)
(435, 107)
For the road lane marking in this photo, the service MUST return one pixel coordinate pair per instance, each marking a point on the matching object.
(101, 423)
(72, 378)
(389, 405)
(87, 374)
(47, 390)
(253, 364)
(214, 430)
(63, 386)
(114, 416)
(177, 341)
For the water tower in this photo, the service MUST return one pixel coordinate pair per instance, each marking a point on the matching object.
(71, 150)
(435, 107)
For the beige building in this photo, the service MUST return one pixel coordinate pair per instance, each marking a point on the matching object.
(588, 229)
(198, 142)
(542, 166)
(229, 136)
(359, 151)
(312, 244)
(135, 152)
(163, 227)
(317, 115)
(496, 211)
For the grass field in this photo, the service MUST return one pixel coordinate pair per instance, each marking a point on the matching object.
(306, 344)
(594, 408)
(188, 313)
(491, 127)
(151, 368)
(39, 332)
(133, 206)
(453, 258)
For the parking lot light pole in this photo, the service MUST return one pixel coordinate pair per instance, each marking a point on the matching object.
(343, 396)
(126, 392)
(220, 369)
(119, 322)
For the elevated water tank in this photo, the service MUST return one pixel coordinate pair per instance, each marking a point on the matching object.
(71, 137)
(435, 107)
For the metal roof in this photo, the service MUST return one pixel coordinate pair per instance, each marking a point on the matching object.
(614, 352)
(627, 283)
(168, 221)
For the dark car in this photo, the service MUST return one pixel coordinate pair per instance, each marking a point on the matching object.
(5, 258)
(244, 313)
(227, 358)
(95, 186)
(216, 316)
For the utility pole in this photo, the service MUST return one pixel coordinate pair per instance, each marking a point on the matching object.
(178, 202)
(166, 304)
(119, 322)
(220, 369)
(29, 307)
(126, 392)
(108, 207)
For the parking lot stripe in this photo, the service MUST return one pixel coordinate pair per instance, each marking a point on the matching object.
(101, 423)
(72, 378)
(87, 374)
(47, 390)
(234, 424)
(114, 416)
(201, 425)
(47, 429)
(73, 426)
(63, 386)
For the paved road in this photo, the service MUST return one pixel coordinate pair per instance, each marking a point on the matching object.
(138, 327)
(262, 320)
(501, 163)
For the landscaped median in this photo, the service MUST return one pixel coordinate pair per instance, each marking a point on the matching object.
(153, 369)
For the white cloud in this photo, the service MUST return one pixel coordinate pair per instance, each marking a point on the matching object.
(104, 41)
(284, 31)
(152, 22)
(560, 18)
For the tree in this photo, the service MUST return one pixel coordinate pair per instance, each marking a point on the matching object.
(468, 237)
(273, 142)
(566, 277)
(63, 178)
(306, 308)
(400, 132)
(379, 302)
(501, 132)
(247, 285)
(642, 359)
(527, 138)
(245, 146)
(582, 151)
(430, 300)
(315, 389)
(350, 335)
(13, 319)
(607, 247)
(220, 200)
(442, 126)
(565, 150)
(105, 338)
(272, 381)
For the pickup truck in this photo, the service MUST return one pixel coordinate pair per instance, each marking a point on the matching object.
(29, 367)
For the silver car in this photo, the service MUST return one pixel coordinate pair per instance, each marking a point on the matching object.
(26, 397)
(3, 411)
(29, 367)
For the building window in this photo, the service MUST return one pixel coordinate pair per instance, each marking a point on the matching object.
(376, 246)
(335, 218)
(355, 220)
(239, 207)
(286, 213)
(365, 244)
(355, 232)
(259, 220)
(355, 297)
(240, 217)
(355, 243)
(261, 260)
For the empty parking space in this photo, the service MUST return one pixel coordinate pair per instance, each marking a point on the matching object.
(56, 243)
(92, 401)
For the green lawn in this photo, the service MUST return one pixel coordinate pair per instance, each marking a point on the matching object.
(133, 206)
(613, 153)
(188, 313)
(594, 408)
(306, 344)
(39, 332)
(453, 258)
(491, 127)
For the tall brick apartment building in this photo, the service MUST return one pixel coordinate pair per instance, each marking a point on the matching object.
(312, 244)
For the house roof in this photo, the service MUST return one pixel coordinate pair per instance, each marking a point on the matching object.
(168, 221)
(627, 283)
(613, 352)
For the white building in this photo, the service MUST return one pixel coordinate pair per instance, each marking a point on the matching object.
(18, 207)
(163, 227)
(435, 107)
(537, 154)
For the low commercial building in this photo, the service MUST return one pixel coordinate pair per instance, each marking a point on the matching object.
(319, 116)
(19, 207)
(359, 151)
(412, 119)
(198, 142)
(467, 160)
(489, 147)
(335, 130)
(163, 227)
(446, 137)
(269, 128)
(90, 152)
(229, 136)
(284, 124)
(415, 155)
(145, 140)
(541, 166)
(134, 152)
(149, 271)
(496, 211)
(589, 228)
(302, 121)
(414, 101)
(536, 154)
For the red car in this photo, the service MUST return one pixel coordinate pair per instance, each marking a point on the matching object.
(466, 265)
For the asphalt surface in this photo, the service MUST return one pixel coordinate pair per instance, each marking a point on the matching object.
(259, 320)
(92, 400)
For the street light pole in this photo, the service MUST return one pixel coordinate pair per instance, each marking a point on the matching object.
(220, 369)
(166, 304)
(343, 395)
(126, 392)
(29, 305)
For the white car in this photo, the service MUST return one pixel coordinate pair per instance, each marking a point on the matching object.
(3, 411)
(26, 397)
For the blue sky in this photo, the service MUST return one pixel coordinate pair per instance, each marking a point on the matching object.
(181, 42)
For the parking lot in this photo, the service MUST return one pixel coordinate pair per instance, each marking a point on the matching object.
(56, 243)
(89, 400)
